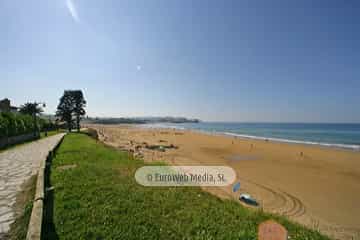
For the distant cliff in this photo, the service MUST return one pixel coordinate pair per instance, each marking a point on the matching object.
(169, 120)
(139, 120)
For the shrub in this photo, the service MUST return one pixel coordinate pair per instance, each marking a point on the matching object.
(47, 125)
(41, 122)
(20, 126)
(3, 126)
(12, 125)
(29, 123)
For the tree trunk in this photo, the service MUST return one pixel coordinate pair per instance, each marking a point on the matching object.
(34, 117)
(69, 125)
(78, 123)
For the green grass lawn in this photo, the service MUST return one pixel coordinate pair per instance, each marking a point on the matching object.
(99, 199)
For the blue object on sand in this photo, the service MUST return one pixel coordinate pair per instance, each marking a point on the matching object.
(246, 198)
(236, 187)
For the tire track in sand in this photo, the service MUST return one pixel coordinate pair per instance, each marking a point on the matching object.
(281, 202)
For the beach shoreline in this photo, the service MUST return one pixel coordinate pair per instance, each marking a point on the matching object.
(340, 146)
(316, 186)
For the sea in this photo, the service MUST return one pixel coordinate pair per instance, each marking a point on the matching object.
(338, 135)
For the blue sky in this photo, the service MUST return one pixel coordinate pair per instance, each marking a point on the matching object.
(288, 61)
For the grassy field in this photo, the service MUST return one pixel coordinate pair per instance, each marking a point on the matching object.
(98, 198)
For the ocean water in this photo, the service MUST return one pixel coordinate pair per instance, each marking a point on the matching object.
(325, 134)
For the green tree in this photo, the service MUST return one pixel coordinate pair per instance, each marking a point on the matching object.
(71, 104)
(32, 109)
(79, 105)
(65, 109)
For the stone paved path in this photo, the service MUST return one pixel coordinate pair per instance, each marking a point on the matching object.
(17, 165)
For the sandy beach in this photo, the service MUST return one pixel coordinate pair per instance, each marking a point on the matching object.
(315, 186)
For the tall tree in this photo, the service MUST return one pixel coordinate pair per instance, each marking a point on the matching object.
(65, 109)
(32, 109)
(72, 104)
(79, 105)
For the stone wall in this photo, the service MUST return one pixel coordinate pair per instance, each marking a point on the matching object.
(8, 141)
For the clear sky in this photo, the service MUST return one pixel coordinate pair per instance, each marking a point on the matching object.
(288, 61)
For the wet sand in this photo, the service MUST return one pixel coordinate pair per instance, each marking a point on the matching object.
(315, 186)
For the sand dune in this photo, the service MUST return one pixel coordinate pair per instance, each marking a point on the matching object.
(315, 186)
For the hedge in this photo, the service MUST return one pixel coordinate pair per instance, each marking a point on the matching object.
(13, 124)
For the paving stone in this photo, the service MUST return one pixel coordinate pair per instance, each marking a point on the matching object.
(5, 227)
(4, 210)
(17, 165)
(6, 217)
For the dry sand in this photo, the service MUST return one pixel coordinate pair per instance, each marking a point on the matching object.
(315, 186)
